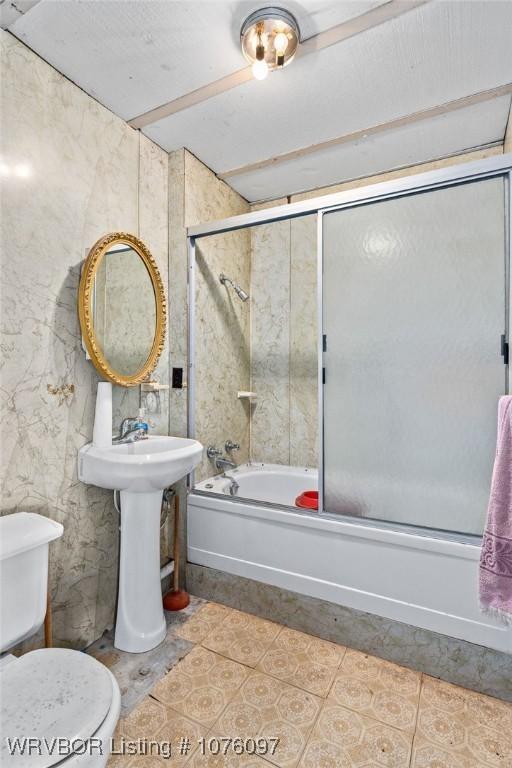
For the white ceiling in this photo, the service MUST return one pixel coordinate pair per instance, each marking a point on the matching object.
(427, 140)
(135, 55)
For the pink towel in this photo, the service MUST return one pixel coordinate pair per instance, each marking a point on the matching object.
(496, 555)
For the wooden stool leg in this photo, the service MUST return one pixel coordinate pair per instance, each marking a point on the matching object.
(177, 598)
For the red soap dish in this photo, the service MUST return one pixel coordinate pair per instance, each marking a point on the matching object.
(307, 500)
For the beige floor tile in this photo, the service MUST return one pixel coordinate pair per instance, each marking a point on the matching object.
(203, 622)
(119, 761)
(152, 761)
(346, 739)
(230, 760)
(145, 721)
(378, 688)
(467, 725)
(152, 721)
(242, 637)
(266, 708)
(428, 755)
(201, 685)
(303, 660)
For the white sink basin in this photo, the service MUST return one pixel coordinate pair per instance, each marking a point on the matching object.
(146, 465)
(140, 471)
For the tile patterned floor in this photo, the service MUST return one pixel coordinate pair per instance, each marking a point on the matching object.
(242, 637)
(267, 708)
(202, 623)
(304, 661)
(330, 707)
(377, 688)
(201, 686)
(137, 673)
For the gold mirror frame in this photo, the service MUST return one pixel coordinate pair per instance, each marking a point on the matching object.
(85, 295)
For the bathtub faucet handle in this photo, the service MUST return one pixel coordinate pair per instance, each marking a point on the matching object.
(212, 452)
(231, 446)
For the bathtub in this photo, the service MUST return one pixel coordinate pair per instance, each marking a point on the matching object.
(270, 483)
(415, 577)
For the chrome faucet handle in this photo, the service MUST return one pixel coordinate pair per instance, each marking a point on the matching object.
(212, 452)
(231, 446)
(130, 432)
(132, 436)
(126, 425)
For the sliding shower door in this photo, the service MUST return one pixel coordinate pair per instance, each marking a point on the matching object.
(414, 308)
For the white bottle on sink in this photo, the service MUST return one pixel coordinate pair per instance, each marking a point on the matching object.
(102, 430)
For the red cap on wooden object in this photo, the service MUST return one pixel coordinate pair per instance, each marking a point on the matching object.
(176, 600)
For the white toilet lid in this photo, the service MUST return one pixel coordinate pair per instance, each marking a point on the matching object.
(52, 692)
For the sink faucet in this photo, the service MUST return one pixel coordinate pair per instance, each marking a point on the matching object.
(130, 431)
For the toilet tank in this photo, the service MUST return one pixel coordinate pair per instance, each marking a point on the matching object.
(24, 538)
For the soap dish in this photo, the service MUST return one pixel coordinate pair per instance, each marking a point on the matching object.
(247, 396)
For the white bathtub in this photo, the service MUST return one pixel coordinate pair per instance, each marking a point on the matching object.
(272, 483)
(417, 579)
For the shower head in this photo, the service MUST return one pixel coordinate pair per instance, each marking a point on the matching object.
(239, 291)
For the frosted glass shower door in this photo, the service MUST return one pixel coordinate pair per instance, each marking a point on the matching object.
(414, 292)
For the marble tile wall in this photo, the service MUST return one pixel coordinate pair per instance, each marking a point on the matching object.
(222, 320)
(284, 341)
(178, 291)
(79, 180)
(270, 340)
(276, 355)
(153, 230)
(178, 318)
(303, 343)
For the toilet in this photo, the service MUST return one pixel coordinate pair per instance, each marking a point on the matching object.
(65, 701)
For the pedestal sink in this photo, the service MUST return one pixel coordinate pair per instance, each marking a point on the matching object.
(140, 471)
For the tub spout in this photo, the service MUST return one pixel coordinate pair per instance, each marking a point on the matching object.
(233, 485)
(224, 464)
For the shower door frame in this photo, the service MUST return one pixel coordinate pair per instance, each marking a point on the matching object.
(454, 175)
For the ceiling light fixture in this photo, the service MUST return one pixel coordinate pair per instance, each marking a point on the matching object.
(269, 39)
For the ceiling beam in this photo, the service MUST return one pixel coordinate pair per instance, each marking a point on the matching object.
(347, 29)
(192, 98)
(332, 36)
(364, 133)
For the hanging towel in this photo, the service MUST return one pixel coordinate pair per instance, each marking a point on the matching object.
(496, 555)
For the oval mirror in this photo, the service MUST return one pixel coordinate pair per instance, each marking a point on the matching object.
(121, 306)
